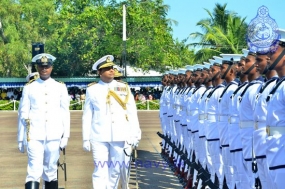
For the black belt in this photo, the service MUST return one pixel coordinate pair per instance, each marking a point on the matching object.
(248, 159)
(226, 145)
(260, 157)
(177, 120)
(214, 139)
(236, 150)
(184, 125)
(195, 131)
(170, 116)
(277, 167)
(202, 136)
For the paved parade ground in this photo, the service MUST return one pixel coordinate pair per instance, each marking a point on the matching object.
(152, 172)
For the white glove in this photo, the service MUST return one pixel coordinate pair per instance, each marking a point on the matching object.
(133, 141)
(63, 142)
(21, 146)
(136, 143)
(86, 145)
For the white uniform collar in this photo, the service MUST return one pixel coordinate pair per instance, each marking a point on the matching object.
(108, 84)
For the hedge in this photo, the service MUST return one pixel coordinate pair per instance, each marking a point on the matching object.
(75, 105)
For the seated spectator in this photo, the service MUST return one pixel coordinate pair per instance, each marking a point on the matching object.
(137, 97)
(82, 95)
(3, 94)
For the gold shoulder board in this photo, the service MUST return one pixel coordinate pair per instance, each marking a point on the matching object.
(122, 82)
(90, 84)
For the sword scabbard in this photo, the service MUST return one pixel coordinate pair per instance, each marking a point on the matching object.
(28, 129)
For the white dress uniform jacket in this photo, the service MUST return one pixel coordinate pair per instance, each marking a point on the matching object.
(46, 104)
(109, 122)
(247, 105)
(276, 119)
(224, 112)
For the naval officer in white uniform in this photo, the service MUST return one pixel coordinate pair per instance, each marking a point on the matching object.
(45, 104)
(109, 121)
(275, 119)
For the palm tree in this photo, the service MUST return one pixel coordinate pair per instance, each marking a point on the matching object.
(223, 32)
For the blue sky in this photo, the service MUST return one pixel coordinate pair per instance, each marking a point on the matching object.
(188, 12)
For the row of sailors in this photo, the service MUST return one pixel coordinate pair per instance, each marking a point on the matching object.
(227, 118)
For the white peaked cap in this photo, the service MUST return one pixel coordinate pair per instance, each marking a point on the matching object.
(218, 60)
(43, 58)
(212, 61)
(34, 74)
(199, 67)
(182, 71)
(189, 67)
(231, 57)
(105, 61)
(207, 65)
(245, 52)
(175, 72)
(118, 68)
(282, 34)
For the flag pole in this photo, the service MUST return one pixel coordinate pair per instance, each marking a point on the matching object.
(124, 41)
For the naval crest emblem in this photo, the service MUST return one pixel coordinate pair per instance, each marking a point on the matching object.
(261, 34)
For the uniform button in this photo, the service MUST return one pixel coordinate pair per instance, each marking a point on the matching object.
(46, 102)
(46, 120)
(112, 121)
(45, 93)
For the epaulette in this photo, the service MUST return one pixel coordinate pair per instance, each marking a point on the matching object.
(90, 84)
(60, 82)
(122, 82)
(31, 81)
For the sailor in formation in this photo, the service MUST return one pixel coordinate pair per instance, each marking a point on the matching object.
(223, 121)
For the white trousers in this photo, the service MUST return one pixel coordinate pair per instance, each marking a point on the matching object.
(242, 181)
(108, 159)
(278, 176)
(228, 167)
(216, 157)
(42, 160)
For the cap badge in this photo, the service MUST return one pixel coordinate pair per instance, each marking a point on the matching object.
(44, 59)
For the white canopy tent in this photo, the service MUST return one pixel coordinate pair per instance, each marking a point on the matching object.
(132, 71)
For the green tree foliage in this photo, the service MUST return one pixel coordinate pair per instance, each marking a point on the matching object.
(223, 32)
(78, 32)
(21, 23)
